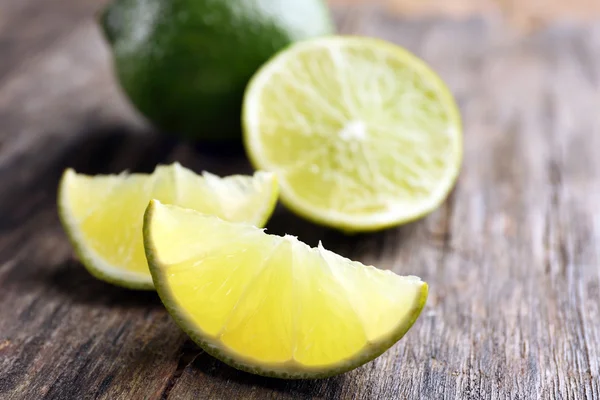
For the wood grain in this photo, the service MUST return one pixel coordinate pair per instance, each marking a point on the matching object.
(512, 258)
(521, 14)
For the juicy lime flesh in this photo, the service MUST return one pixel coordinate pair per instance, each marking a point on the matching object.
(271, 304)
(359, 131)
(107, 211)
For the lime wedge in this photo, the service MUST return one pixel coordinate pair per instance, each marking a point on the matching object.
(103, 215)
(271, 305)
(362, 134)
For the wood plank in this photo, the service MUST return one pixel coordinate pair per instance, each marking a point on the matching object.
(511, 258)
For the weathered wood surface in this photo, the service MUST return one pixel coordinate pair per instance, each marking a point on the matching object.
(512, 258)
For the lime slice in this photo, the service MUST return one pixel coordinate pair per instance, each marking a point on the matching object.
(272, 305)
(362, 134)
(103, 215)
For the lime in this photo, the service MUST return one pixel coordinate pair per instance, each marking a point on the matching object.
(103, 214)
(184, 64)
(361, 133)
(272, 305)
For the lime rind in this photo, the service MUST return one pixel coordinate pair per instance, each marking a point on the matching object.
(287, 370)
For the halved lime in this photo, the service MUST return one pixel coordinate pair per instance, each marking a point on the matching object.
(272, 305)
(103, 215)
(362, 134)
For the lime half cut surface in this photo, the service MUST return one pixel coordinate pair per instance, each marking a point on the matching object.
(362, 134)
(272, 305)
(103, 214)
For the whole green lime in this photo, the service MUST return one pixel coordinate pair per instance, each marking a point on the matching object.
(184, 64)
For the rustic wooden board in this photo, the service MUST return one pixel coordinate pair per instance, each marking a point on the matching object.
(512, 258)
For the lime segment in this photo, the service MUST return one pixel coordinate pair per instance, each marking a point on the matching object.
(272, 305)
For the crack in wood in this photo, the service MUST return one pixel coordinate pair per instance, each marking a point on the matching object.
(189, 352)
(445, 234)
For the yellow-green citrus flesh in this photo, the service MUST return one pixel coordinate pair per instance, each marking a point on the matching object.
(103, 214)
(362, 134)
(272, 305)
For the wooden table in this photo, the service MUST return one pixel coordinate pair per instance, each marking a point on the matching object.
(512, 258)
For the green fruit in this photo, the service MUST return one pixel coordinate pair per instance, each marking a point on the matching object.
(184, 64)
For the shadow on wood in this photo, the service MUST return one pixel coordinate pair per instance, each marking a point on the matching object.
(284, 222)
(112, 149)
(72, 280)
(69, 279)
(214, 372)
